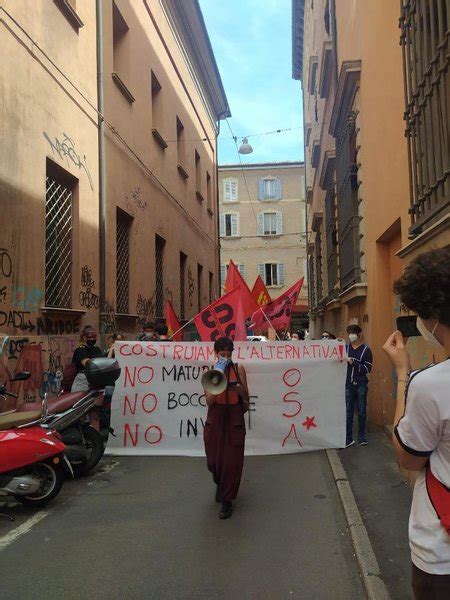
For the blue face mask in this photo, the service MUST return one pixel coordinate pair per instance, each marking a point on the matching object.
(222, 363)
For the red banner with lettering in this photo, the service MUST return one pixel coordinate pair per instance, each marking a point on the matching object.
(260, 293)
(235, 280)
(172, 323)
(279, 311)
(220, 319)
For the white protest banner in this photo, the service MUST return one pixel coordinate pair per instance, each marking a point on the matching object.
(296, 393)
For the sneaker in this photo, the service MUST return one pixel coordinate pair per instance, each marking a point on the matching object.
(363, 443)
(352, 443)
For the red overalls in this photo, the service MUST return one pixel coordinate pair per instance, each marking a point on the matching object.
(224, 438)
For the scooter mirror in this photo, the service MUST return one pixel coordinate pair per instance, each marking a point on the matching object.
(21, 376)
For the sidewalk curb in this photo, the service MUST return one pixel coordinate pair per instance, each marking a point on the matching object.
(367, 562)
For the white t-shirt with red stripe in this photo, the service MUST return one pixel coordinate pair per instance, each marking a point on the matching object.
(424, 430)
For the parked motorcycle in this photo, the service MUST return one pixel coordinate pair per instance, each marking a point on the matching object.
(33, 465)
(83, 418)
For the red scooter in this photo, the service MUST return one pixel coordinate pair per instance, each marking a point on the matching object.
(33, 465)
(82, 419)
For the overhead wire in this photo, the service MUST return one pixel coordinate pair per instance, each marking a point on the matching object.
(248, 192)
(243, 171)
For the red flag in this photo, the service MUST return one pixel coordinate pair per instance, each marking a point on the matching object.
(235, 280)
(278, 311)
(172, 322)
(260, 293)
(240, 334)
(219, 318)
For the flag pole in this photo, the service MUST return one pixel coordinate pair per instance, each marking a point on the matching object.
(270, 324)
(181, 328)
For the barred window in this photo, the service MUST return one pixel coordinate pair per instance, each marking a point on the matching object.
(426, 59)
(58, 236)
(347, 201)
(159, 272)
(183, 261)
(210, 287)
(123, 228)
(331, 241)
(199, 286)
(312, 281)
(318, 265)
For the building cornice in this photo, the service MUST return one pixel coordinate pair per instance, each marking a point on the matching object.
(347, 85)
(262, 166)
(187, 20)
(326, 69)
(326, 173)
(298, 18)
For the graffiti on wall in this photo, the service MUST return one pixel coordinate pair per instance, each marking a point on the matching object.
(55, 326)
(107, 318)
(5, 263)
(66, 151)
(191, 287)
(135, 200)
(45, 357)
(18, 319)
(145, 308)
(88, 299)
(27, 298)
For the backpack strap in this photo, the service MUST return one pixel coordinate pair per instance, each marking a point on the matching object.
(439, 496)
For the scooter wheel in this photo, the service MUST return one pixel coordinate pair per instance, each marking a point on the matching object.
(52, 478)
(95, 450)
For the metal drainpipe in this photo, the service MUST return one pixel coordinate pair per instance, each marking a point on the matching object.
(306, 208)
(334, 40)
(217, 199)
(101, 168)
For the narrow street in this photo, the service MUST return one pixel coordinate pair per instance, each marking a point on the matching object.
(147, 527)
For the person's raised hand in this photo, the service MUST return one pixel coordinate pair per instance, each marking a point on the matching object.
(398, 354)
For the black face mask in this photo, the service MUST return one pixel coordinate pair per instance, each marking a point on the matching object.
(91, 343)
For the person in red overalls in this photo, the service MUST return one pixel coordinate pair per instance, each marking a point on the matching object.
(224, 434)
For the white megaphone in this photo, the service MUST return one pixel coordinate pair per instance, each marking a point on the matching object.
(215, 381)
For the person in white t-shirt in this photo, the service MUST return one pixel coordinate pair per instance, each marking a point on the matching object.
(422, 422)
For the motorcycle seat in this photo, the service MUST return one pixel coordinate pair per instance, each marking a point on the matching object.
(12, 420)
(55, 405)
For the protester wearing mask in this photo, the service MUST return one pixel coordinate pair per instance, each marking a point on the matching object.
(148, 333)
(87, 350)
(224, 433)
(421, 423)
(327, 335)
(356, 386)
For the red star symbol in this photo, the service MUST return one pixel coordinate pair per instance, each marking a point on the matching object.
(309, 423)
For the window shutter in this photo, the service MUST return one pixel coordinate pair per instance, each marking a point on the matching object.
(227, 189)
(261, 189)
(241, 269)
(230, 189)
(277, 184)
(262, 272)
(234, 225)
(223, 274)
(281, 274)
(279, 223)
(222, 225)
(234, 189)
(260, 223)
